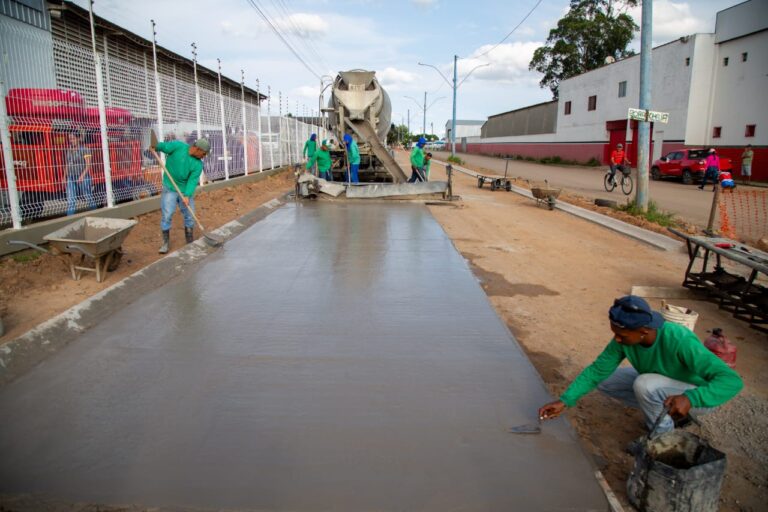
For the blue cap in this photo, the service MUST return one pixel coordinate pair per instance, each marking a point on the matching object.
(422, 141)
(632, 312)
(313, 136)
(347, 138)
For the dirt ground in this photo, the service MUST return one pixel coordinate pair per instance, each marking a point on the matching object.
(552, 277)
(36, 287)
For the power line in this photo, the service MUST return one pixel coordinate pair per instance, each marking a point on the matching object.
(511, 32)
(295, 52)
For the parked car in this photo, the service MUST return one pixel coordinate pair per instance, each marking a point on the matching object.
(686, 164)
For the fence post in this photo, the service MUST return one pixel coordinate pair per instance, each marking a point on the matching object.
(223, 125)
(146, 85)
(245, 125)
(197, 105)
(269, 128)
(158, 97)
(10, 171)
(106, 69)
(258, 116)
(280, 126)
(102, 115)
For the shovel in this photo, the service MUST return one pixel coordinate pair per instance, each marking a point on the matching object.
(528, 428)
(209, 239)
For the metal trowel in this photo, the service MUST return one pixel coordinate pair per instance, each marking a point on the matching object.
(528, 428)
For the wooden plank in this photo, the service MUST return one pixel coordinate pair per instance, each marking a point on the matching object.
(664, 292)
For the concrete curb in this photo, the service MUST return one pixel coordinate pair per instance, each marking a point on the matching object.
(28, 350)
(34, 233)
(655, 240)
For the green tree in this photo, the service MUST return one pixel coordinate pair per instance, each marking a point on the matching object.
(590, 32)
(398, 134)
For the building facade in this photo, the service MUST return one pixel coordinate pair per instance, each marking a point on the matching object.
(712, 86)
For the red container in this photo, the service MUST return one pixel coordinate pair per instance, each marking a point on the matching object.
(45, 104)
(722, 347)
(115, 116)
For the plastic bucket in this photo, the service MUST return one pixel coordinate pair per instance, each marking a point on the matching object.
(679, 315)
(676, 472)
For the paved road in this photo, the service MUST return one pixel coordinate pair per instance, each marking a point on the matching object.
(687, 201)
(332, 357)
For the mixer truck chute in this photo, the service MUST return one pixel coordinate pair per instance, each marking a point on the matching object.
(360, 107)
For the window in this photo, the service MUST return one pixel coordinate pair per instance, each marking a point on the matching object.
(592, 104)
(567, 108)
(687, 61)
(750, 131)
(744, 57)
(622, 89)
(716, 131)
(725, 61)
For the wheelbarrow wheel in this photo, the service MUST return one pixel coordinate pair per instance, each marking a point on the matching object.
(480, 182)
(494, 185)
(117, 255)
(508, 186)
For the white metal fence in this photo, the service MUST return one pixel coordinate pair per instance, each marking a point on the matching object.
(55, 161)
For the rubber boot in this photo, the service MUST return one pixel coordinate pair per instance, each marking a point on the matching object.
(166, 242)
(189, 235)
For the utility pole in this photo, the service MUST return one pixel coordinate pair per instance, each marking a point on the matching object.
(424, 118)
(409, 124)
(453, 119)
(644, 135)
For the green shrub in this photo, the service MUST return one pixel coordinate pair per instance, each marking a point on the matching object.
(455, 160)
(556, 159)
(593, 162)
(518, 157)
(530, 159)
(654, 214)
(25, 257)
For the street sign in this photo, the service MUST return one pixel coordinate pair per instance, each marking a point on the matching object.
(638, 114)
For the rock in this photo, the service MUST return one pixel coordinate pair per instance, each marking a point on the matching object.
(762, 244)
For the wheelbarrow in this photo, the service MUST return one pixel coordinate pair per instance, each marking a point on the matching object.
(546, 195)
(497, 183)
(91, 239)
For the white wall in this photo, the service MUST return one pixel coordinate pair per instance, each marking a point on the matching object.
(702, 90)
(670, 81)
(741, 94)
(741, 19)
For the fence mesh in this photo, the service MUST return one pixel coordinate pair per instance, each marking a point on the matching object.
(54, 127)
(744, 214)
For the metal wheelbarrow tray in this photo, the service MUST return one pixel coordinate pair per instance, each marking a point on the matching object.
(546, 195)
(96, 238)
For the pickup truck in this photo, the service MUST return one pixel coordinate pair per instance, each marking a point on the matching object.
(687, 164)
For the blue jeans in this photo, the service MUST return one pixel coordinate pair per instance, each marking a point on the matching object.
(416, 174)
(169, 199)
(77, 190)
(614, 168)
(353, 168)
(712, 173)
(646, 392)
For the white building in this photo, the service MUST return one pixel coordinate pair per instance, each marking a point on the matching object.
(464, 128)
(712, 85)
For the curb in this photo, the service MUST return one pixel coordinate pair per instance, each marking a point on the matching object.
(21, 354)
(655, 240)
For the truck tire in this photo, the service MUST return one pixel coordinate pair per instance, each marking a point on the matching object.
(687, 177)
(655, 174)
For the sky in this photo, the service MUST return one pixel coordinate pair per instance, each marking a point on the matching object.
(390, 37)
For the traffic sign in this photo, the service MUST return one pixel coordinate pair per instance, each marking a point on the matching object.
(638, 114)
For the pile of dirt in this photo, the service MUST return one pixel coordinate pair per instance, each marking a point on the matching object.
(36, 287)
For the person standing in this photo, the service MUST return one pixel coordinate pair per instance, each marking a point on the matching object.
(323, 159)
(712, 165)
(79, 179)
(746, 163)
(310, 146)
(427, 165)
(184, 164)
(618, 158)
(353, 154)
(417, 161)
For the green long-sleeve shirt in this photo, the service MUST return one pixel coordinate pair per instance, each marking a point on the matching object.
(417, 157)
(676, 353)
(184, 168)
(354, 153)
(309, 148)
(323, 159)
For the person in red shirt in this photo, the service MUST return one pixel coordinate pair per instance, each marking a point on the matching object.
(618, 159)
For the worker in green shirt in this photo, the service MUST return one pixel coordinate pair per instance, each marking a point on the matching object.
(353, 154)
(184, 163)
(323, 159)
(670, 368)
(427, 165)
(310, 146)
(417, 161)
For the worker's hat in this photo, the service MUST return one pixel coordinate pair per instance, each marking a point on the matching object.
(632, 312)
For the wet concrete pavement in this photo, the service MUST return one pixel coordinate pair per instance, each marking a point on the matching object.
(332, 357)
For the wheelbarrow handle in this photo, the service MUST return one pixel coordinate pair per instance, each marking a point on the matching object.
(28, 244)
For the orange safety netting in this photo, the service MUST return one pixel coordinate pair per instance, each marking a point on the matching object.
(744, 214)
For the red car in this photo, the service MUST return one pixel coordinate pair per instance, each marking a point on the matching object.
(687, 164)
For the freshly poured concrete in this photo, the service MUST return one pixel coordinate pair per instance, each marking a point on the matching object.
(332, 357)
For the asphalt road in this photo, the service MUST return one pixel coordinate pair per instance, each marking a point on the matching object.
(332, 357)
(686, 201)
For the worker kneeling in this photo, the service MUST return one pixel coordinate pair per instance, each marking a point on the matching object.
(671, 369)
(323, 158)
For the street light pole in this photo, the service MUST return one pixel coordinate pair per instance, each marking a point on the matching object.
(644, 135)
(453, 119)
(424, 117)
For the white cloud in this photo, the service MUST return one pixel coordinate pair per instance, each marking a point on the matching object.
(394, 79)
(306, 91)
(672, 20)
(425, 3)
(303, 25)
(508, 62)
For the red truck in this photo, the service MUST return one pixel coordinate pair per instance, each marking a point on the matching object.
(687, 164)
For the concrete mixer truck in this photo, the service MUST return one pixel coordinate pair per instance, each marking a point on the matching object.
(360, 107)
